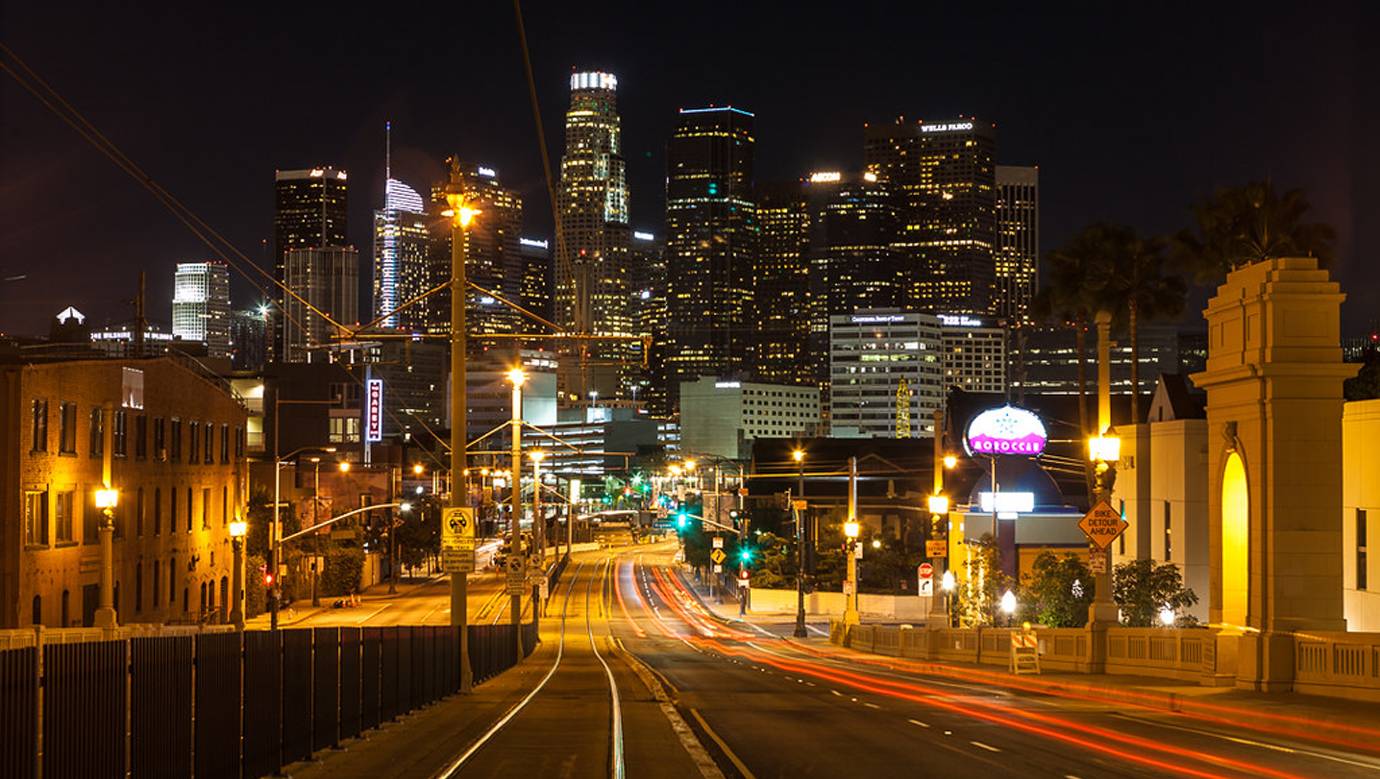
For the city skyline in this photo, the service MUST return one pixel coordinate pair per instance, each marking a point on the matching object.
(1052, 128)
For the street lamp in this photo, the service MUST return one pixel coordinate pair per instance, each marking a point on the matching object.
(418, 469)
(518, 377)
(948, 584)
(276, 529)
(107, 498)
(238, 530)
(938, 504)
(1104, 451)
(851, 530)
(950, 462)
(344, 466)
(798, 455)
(537, 519)
(1008, 604)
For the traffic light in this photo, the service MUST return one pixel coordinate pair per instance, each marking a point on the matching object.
(682, 519)
(745, 555)
(733, 514)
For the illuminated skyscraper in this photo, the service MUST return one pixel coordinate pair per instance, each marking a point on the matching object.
(647, 274)
(400, 254)
(492, 259)
(781, 286)
(854, 221)
(945, 177)
(538, 269)
(201, 305)
(1018, 241)
(327, 279)
(309, 212)
(711, 242)
(592, 286)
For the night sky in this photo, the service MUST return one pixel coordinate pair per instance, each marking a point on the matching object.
(1130, 117)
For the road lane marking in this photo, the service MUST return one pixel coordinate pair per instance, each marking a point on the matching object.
(1248, 742)
(981, 745)
(732, 758)
(870, 705)
(617, 734)
(918, 722)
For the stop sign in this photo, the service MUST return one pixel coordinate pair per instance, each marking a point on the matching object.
(926, 571)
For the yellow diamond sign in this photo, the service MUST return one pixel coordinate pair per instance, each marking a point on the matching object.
(1103, 525)
(718, 556)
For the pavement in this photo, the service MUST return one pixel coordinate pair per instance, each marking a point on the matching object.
(700, 693)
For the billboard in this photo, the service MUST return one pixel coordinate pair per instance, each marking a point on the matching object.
(373, 411)
(1005, 430)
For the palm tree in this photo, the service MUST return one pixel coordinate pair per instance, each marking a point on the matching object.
(1139, 290)
(1242, 225)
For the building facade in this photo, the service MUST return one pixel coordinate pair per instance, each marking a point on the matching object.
(592, 285)
(974, 353)
(325, 278)
(711, 242)
(650, 316)
(1361, 515)
(885, 371)
(945, 176)
(722, 417)
(249, 338)
(493, 258)
(781, 287)
(401, 246)
(1018, 242)
(538, 277)
(1048, 360)
(309, 211)
(201, 305)
(172, 443)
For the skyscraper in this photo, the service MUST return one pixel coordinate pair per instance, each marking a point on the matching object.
(326, 278)
(493, 259)
(647, 276)
(401, 242)
(249, 338)
(781, 286)
(592, 239)
(538, 282)
(1018, 241)
(201, 305)
(711, 242)
(309, 211)
(854, 221)
(945, 177)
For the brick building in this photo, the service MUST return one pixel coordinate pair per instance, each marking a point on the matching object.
(175, 450)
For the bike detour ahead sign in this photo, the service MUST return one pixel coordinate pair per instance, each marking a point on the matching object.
(1103, 525)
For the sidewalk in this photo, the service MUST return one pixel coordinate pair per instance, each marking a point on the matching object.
(379, 592)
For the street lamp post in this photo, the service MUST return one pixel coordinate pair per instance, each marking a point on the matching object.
(537, 519)
(799, 456)
(939, 517)
(461, 213)
(850, 531)
(517, 376)
(238, 529)
(276, 530)
(106, 500)
(1103, 450)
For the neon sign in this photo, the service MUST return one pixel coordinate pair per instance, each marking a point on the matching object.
(1006, 430)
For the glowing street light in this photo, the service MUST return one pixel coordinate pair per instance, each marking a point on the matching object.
(948, 583)
(950, 462)
(851, 528)
(1167, 616)
(107, 499)
(344, 466)
(239, 529)
(418, 469)
(939, 504)
(517, 376)
(1008, 603)
(798, 455)
(1104, 448)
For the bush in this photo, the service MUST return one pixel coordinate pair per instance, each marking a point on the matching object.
(1059, 591)
(1141, 589)
(344, 570)
(255, 594)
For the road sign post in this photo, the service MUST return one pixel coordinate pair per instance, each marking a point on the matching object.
(1103, 525)
(925, 576)
(457, 540)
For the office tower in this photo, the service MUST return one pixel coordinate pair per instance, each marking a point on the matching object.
(1018, 241)
(538, 277)
(493, 259)
(885, 374)
(853, 260)
(201, 305)
(781, 286)
(249, 338)
(309, 211)
(711, 240)
(945, 177)
(647, 277)
(974, 354)
(326, 278)
(401, 245)
(592, 238)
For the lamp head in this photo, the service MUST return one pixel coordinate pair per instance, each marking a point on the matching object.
(107, 498)
(344, 466)
(239, 529)
(419, 469)
(950, 462)
(798, 455)
(517, 376)
(1104, 448)
(947, 583)
(537, 455)
(851, 528)
(939, 504)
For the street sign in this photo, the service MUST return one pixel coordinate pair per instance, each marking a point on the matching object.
(744, 580)
(517, 575)
(718, 568)
(799, 505)
(742, 492)
(718, 556)
(936, 548)
(1102, 525)
(457, 540)
(925, 574)
(847, 588)
(1098, 562)
(718, 542)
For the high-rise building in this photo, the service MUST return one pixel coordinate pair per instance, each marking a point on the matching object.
(722, 416)
(401, 246)
(592, 292)
(884, 374)
(538, 276)
(945, 176)
(493, 258)
(781, 286)
(327, 279)
(1018, 241)
(309, 212)
(647, 277)
(1048, 360)
(711, 240)
(249, 338)
(853, 262)
(974, 354)
(201, 305)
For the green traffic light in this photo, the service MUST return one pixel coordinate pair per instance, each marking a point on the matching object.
(745, 555)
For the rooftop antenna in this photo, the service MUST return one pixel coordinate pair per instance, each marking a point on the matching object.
(387, 158)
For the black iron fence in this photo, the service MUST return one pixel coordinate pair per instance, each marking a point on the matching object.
(224, 704)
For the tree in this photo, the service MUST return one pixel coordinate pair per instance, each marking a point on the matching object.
(984, 582)
(1143, 589)
(1241, 225)
(1366, 384)
(1059, 590)
(344, 570)
(1139, 289)
(259, 515)
(418, 534)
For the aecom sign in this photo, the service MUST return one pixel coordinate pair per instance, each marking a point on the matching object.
(1006, 430)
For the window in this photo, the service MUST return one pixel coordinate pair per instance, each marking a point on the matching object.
(224, 506)
(193, 450)
(210, 453)
(139, 514)
(39, 440)
(160, 439)
(141, 437)
(36, 518)
(138, 586)
(205, 508)
(172, 510)
(189, 509)
(172, 580)
(1361, 577)
(119, 435)
(97, 445)
(224, 444)
(239, 444)
(175, 450)
(1168, 534)
(157, 510)
(62, 517)
(156, 582)
(67, 430)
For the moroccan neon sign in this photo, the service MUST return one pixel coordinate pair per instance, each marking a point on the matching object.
(1006, 430)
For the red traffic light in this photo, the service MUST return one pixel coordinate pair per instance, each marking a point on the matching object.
(268, 579)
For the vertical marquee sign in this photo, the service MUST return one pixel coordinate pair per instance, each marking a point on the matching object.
(373, 414)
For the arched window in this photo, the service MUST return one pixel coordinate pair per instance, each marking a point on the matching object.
(66, 609)
(37, 617)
